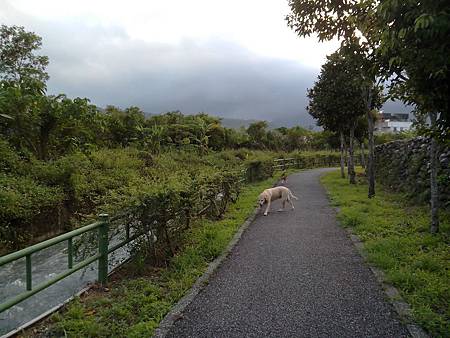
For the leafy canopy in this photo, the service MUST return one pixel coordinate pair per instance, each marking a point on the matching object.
(19, 65)
(336, 100)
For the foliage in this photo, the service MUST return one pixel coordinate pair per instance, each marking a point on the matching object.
(396, 240)
(25, 203)
(257, 134)
(18, 63)
(389, 137)
(414, 50)
(47, 126)
(335, 100)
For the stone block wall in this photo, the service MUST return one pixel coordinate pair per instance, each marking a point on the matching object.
(404, 166)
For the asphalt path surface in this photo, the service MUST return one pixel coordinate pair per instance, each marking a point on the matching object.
(292, 274)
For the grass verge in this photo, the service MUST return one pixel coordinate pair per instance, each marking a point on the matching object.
(396, 240)
(135, 304)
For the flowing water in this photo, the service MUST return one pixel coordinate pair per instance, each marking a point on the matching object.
(46, 264)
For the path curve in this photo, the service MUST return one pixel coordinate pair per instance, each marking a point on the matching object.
(292, 274)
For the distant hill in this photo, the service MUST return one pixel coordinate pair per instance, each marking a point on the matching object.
(283, 121)
(236, 123)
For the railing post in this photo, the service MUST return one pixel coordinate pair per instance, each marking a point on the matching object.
(70, 253)
(28, 272)
(103, 248)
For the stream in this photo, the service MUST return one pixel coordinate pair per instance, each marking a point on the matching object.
(46, 264)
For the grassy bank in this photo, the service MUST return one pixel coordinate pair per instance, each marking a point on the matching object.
(137, 301)
(396, 239)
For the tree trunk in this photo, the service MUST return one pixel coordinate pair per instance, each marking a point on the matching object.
(434, 200)
(341, 134)
(43, 144)
(363, 157)
(351, 166)
(371, 157)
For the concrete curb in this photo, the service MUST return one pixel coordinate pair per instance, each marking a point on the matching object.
(176, 312)
(400, 305)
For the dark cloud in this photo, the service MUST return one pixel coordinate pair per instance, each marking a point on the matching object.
(214, 76)
(218, 77)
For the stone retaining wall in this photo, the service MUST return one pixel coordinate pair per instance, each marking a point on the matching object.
(404, 166)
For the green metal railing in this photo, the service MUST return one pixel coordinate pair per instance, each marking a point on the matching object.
(102, 257)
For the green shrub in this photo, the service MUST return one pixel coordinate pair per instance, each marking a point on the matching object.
(258, 170)
(23, 204)
(9, 159)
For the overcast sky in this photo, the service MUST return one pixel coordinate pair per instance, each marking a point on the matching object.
(234, 58)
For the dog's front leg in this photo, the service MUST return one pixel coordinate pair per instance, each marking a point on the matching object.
(292, 204)
(267, 209)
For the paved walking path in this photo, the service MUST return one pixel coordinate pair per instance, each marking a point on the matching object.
(292, 274)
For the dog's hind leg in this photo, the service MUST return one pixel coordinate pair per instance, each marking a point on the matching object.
(283, 206)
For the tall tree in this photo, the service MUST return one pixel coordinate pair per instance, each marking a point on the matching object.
(336, 103)
(354, 22)
(19, 64)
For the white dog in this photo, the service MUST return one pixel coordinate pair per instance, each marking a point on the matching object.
(272, 194)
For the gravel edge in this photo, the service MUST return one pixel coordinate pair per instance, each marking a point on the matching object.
(401, 307)
(392, 294)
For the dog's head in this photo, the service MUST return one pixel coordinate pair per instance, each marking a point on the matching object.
(262, 199)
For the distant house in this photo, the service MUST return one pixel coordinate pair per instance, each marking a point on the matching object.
(392, 123)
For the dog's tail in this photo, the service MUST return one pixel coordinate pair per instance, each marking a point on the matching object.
(292, 195)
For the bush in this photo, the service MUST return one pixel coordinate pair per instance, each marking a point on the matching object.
(258, 170)
(25, 205)
(166, 209)
(9, 159)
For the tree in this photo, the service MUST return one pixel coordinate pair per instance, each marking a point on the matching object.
(125, 126)
(414, 52)
(406, 42)
(257, 133)
(19, 65)
(336, 103)
(23, 108)
(48, 126)
(297, 138)
(361, 132)
(355, 23)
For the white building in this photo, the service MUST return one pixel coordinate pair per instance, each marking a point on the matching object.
(392, 123)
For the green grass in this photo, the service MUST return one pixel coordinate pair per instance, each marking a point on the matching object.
(134, 306)
(396, 239)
